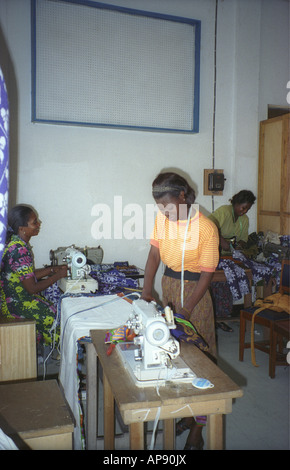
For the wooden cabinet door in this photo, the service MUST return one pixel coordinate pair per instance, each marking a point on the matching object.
(274, 176)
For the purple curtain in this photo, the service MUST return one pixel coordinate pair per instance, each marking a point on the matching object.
(4, 160)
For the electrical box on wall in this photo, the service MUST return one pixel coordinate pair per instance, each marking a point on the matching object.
(213, 182)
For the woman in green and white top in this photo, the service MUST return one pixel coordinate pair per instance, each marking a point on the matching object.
(232, 221)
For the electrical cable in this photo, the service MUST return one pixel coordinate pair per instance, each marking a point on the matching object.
(214, 96)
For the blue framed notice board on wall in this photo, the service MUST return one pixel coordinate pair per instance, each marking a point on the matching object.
(100, 65)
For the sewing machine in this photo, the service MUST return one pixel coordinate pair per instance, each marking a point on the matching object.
(78, 278)
(94, 255)
(153, 358)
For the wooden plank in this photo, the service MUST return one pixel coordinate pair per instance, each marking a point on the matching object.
(214, 436)
(188, 408)
(17, 350)
(169, 434)
(33, 408)
(136, 432)
(54, 442)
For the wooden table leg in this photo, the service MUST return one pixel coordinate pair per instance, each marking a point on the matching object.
(136, 436)
(214, 436)
(109, 415)
(273, 350)
(242, 337)
(168, 434)
(92, 397)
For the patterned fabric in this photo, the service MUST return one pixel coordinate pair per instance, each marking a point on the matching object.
(111, 280)
(4, 160)
(186, 332)
(17, 265)
(260, 271)
(236, 278)
(202, 317)
(222, 299)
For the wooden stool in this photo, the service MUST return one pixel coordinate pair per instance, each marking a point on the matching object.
(267, 318)
(17, 349)
(282, 329)
(35, 416)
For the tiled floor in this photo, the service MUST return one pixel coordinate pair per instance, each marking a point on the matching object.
(260, 419)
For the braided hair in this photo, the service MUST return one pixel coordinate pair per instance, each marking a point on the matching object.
(172, 184)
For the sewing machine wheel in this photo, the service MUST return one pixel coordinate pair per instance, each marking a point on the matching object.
(157, 333)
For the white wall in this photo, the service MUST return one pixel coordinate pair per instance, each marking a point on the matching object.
(63, 171)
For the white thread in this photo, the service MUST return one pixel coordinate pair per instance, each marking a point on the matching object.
(180, 409)
(142, 411)
(151, 447)
(182, 262)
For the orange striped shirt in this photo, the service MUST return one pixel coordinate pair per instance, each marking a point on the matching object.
(201, 248)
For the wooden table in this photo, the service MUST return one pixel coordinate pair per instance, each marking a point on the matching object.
(174, 401)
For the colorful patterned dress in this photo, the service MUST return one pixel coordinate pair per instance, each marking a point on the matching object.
(17, 264)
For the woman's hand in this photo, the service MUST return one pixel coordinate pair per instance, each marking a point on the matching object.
(147, 296)
(150, 271)
(34, 286)
(50, 271)
(201, 288)
(225, 244)
(186, 313)
(241, 245)
(60, 271)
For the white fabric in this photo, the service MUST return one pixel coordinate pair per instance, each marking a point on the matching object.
(79, 315)
(6, 443)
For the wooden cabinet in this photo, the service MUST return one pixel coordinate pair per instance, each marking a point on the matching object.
(17, 349)
(35, 414)
(274, 176)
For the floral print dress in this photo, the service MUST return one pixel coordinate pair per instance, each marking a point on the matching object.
(17, 264)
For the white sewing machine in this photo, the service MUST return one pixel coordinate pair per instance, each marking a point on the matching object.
(154, 357)
(78, 278)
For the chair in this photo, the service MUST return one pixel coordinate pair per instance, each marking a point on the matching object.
(281, 330)
(268, 318)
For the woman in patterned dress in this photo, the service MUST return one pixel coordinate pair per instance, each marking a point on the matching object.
(21, 283)
(181, 232)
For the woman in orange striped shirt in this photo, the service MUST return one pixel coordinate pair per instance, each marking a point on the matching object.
(187, 243)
